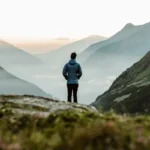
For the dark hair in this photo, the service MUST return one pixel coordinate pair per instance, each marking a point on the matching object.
(73, 55)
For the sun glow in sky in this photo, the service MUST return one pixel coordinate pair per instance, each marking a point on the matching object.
(35, 19)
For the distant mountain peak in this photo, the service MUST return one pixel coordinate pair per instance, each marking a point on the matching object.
(95, 36)
(129, 25)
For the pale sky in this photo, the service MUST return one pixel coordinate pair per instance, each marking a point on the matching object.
(39, 19)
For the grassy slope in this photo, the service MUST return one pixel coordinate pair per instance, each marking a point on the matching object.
(135, 81)
(73, 130)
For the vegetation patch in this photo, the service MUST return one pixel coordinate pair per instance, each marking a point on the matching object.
(73, 130)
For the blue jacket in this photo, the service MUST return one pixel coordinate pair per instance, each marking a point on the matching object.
(72, 72)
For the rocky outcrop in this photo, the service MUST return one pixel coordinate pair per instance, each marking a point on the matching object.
(38, 105)
(130, 91)
(67, 127)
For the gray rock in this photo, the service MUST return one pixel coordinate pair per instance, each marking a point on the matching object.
(39, 106)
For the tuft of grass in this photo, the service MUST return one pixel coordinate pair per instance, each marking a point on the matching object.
(73, 130)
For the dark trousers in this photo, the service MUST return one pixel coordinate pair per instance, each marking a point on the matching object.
(72, 88)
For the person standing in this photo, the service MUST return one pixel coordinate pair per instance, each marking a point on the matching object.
(72, 72)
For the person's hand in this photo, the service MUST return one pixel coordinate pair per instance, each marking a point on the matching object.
(66, 77)
(78, 77)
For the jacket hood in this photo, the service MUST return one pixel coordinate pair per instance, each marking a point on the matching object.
(72, 61)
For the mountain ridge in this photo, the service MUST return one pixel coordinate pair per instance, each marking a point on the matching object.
(10, 84)
(64, 52)
(10, 52)
(129, 93)
(128, 30)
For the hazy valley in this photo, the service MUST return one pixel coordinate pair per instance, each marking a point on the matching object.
(102, 60)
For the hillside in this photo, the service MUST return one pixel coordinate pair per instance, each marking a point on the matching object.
(9, 84)
(126, 32)
(22, 67)
(126, 47)
(63, 53)
(11, 55)
(130, 91)
(106, 60)
(35, 123)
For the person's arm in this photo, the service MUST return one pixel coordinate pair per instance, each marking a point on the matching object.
(79, 72)
(65, 72)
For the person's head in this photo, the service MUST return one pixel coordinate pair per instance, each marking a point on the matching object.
(73, 55)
